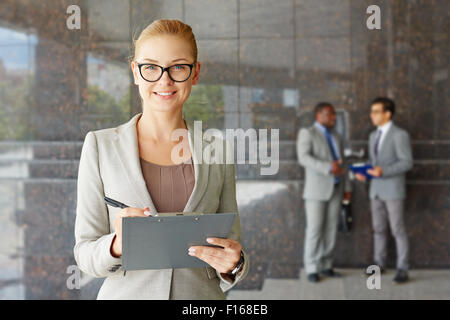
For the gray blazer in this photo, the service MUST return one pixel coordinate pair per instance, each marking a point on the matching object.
(395, 158)
(314, 154)
(110, 166)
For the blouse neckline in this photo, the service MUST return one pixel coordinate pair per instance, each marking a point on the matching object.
(188, 161)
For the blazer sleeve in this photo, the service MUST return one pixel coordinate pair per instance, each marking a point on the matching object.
(228, 203)
(304, 154)
(93, 236)
(404, 155)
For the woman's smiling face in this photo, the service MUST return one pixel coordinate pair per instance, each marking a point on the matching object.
(166, 51)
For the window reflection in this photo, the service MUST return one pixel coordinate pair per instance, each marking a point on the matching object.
(17, 51)
(108, 88)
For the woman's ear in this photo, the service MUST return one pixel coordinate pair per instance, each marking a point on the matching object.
(134, 69)
(196, 73)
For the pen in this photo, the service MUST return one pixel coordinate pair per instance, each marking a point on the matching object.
(115, 203)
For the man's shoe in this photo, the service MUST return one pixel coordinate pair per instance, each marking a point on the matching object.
(382, 270)
(401, 276)
(313, 277)
(331, 273)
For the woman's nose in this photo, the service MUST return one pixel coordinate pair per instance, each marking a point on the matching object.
(165, 78)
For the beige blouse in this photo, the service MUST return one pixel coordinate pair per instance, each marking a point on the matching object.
(169, 186)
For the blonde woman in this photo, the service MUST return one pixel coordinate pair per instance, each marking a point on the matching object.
(134, 164)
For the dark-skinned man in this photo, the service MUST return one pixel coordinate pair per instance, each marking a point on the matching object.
(391, 157)
(320, 152)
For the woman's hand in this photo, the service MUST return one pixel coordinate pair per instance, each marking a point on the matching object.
(223, 259)
(116, 247)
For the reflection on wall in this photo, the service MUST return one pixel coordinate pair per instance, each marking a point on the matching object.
(17, 54)
(207, 104)
(108, 92)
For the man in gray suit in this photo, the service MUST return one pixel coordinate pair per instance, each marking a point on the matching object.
(391, 157)
(320, 151)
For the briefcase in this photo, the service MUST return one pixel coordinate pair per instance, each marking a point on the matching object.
(345, 217)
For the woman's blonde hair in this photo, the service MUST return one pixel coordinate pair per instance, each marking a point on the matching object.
(166, 27)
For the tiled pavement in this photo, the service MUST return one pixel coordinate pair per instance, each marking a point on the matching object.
(423, 284)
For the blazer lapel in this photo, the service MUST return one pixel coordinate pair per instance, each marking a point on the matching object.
(386, 140)
(324, 141)
(201, 166)
(338, 144)
(127, 150)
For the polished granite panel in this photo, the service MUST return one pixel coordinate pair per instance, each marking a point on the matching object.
(219, 62)
(413, 62)
(265, 211)
(62, 169)
(57, 150)
(48, 219)
(221, 21)
(61, 66)
(266, 19)
(143, 12)
(265, 64)
(106, 20)
(327, 18)
(46, 278)
(267, 117)
(324, 56)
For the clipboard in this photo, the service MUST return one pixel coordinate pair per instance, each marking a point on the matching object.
(162, 241)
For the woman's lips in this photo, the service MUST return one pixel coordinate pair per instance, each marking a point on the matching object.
(165, 97)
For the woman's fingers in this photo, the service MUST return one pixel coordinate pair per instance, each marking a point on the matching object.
(226, 243)
(222, 259)
(215, 257)
(134, 212)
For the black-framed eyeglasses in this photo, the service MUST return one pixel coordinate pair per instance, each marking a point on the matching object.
(153, 72)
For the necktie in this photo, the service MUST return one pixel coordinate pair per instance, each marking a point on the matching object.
(331, 145)
(333, 151)
(377, 142)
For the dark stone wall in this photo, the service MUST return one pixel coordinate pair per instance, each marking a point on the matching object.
(271, 62)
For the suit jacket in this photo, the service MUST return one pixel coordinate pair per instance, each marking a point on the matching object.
(109, 165)
(314, 154)
(395, 158)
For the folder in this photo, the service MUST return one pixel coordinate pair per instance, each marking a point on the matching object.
(161, 242)
(362, 169)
